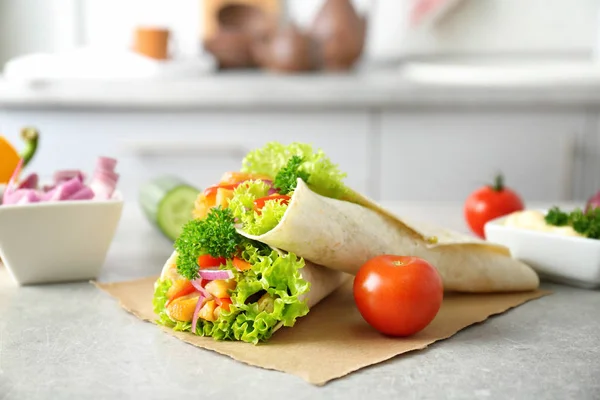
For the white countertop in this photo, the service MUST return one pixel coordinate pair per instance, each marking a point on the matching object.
(383, 89)
(71, 340)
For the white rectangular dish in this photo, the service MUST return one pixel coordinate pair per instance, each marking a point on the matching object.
(564, 259)
(57, 241)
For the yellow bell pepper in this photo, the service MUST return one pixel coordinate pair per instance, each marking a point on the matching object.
(9, 159)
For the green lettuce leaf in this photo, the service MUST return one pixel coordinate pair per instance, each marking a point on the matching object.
(325, 177)
(161, 287)
(242, 207)
(274, 277)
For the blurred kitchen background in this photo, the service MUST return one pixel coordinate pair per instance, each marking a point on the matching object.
(418, 100)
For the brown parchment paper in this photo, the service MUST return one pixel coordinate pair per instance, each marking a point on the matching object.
(332, 340)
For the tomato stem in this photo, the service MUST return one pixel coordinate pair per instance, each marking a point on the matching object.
(498, 183)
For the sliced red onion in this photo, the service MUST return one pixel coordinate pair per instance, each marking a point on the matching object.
(198, 285)
(31, 182)
(272, 191)
(215, 274)
(199, 304)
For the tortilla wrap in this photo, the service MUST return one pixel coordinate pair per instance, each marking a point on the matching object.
(343, 235)
(323, 281)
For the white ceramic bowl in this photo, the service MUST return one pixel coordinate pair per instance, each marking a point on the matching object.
(566, 259)
(57, 241)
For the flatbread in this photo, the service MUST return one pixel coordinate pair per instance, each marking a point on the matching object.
(343, 235)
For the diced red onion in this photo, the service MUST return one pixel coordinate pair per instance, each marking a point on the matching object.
(104, 183)
(199, 304)
(215, 274)
(593, 202)
(12, 197)
(68, 185)
(84, 193)
(68, 174)
(63, 191)
(108, 176)
(49, 194)
(29, 196)
(31, 182)
(106, 164)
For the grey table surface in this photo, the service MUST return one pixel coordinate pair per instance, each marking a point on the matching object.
(70, 341)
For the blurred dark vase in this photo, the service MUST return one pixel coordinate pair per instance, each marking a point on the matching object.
(340, 35)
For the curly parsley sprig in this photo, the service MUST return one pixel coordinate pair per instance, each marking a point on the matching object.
(287, 178)
(214, 235)
(585, 223)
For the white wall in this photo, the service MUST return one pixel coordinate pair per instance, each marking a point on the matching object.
(514, 26)
(111, 22)
(476, 26)
(36, 25)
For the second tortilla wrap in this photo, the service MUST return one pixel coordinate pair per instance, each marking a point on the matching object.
(323, 281)
(343, 235)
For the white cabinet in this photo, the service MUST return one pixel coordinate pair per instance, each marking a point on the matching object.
(444, 156)
(197, 146)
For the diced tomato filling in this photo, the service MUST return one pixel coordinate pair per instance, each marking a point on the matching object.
(260, 203)
(207, 261)
(240, 264)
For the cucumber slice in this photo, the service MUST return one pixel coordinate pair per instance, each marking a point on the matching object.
(168, 202)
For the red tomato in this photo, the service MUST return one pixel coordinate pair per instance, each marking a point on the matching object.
(260, 203)
(398, 295)
(490, 202)
(224, 302)
(207, 261)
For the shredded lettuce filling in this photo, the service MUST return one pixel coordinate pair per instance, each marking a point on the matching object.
(242, 207)
(274, 277)
(325, 177)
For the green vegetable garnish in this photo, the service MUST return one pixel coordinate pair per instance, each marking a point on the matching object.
(242, 206)
(584, 223)
(324, 177)
(286, 179)
(214, 235)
